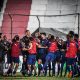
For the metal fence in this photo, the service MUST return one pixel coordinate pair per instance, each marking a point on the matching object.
(61, 23)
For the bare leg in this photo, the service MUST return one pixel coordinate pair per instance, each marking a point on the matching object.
(30, 71)
(34, 70)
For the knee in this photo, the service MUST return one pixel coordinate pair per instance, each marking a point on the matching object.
(17, 64)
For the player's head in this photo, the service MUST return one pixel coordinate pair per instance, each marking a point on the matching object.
(49, 36)
(1, 35)
(16, 38)
(52, 38)
(76, 36)
(57, 39)
(71, 37)
(71, 33)
(0, 38)
(27, 33)
(43, 35)
(4, 37)
(13, 40)
(37, 34)
(67, 36)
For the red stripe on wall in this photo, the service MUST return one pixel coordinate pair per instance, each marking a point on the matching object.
(19, 23)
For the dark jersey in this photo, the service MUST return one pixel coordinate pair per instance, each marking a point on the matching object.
(25, 43)
(25, 40)
(2, 47)
(7, 45)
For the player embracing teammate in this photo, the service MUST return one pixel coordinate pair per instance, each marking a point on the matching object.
(47, 52)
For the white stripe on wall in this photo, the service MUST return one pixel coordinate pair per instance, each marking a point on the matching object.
(2, 12)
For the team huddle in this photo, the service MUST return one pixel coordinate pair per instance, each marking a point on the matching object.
(47, 51)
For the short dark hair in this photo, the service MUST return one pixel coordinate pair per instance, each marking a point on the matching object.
(16, 37)
(13, 40)
(26, 30)
(76, 35)
(52, 38)
(0, 34)
(4, 36)
(44, 34)
(71, 33)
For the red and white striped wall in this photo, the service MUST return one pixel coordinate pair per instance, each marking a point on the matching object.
(19, 23)
(38, 7)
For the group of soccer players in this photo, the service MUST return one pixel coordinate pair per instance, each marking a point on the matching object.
(47, 51)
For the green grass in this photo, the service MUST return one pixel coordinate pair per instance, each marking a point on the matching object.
(37, 78)
(19, 76)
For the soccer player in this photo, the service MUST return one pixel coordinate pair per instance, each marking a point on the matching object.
(25, 44)
(62, 58)
(43, 51)
(71, 54)
(77, 66)
(76, 38)
(32, 55)
(1, 54)
(51, 52)
(78, 58)
(7, 51)
(15, 52)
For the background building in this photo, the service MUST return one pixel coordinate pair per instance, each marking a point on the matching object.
(39, 7)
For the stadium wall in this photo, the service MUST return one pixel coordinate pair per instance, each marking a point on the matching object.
(55, 7)
(19, 23)
(2, 11)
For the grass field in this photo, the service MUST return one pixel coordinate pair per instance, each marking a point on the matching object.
(37, 78)
(19, 76)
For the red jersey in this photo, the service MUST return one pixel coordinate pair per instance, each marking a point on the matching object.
(33, 49)
(71, 50)
(53, 47)
(15, 49)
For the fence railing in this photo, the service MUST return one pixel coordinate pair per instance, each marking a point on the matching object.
(49, 21)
